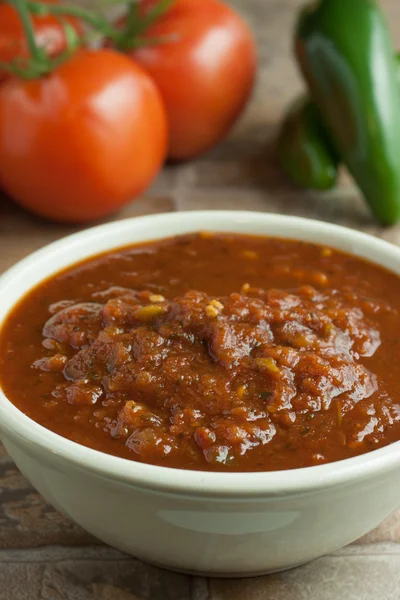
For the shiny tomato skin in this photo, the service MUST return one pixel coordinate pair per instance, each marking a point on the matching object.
(204, 68)
(78, 144)
(49, 34)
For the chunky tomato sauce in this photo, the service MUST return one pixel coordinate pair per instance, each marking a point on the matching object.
(212, 352)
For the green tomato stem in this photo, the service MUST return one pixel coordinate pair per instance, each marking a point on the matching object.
(39, 63)
(126, 38)
(137, 25)
(37, 54)
(94, 20)
(155, 13)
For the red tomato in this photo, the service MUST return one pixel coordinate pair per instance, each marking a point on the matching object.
(204, 69)
(48, 31)
(81, 142)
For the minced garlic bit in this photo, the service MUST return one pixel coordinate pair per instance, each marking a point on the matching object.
(214, 308)
(241, 391)
(339, 411)
(326, 252)
(250, 254)
(267, 364)
(245, 288)
(156, 298)
(143, 378)
(147, 313)
(211, 311)
(217, 304)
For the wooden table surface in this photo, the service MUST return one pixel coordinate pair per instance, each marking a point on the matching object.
(45, 556)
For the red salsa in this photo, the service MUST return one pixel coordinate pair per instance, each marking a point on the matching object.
(212, 351)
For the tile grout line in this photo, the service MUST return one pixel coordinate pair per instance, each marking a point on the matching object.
(55, 554)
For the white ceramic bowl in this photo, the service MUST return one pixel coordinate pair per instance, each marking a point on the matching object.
(221, 524)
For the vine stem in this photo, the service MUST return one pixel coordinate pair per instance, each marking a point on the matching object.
(137, 25)
(123, 38)
(36, 53)
(95, 21)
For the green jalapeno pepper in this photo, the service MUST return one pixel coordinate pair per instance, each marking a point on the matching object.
(304, 150)
(345, 54)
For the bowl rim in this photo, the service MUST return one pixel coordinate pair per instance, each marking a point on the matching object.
(16, 426)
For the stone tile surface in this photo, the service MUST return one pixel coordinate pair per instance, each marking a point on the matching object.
(350, 573)
(45, 556)
(96, 573)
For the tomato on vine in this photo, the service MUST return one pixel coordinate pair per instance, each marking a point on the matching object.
(202, 57)
(79, 137)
